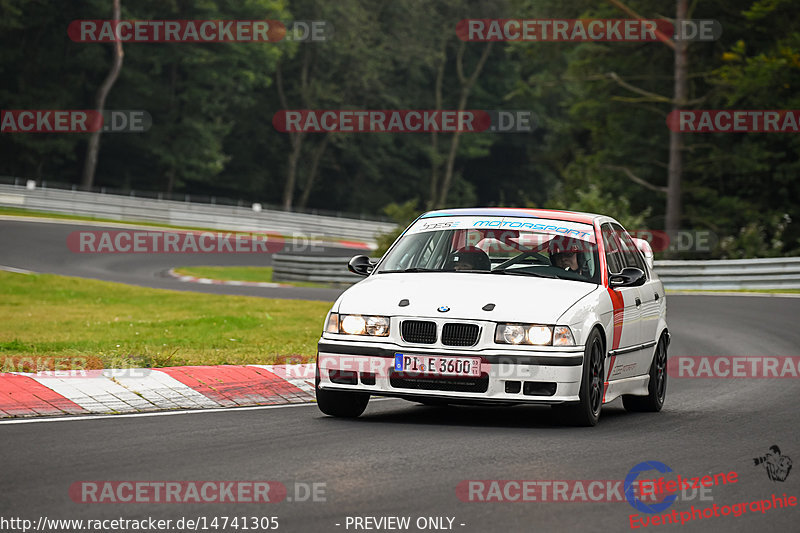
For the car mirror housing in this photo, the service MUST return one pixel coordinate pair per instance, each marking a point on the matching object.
(360, 265)
(629, 277)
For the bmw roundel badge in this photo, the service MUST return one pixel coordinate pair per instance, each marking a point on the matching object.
(443, 309)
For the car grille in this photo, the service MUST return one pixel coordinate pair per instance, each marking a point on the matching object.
(418, 331)
(460, 334)
(400, 381)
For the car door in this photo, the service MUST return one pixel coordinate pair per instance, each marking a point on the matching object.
(651, 292)
(626, 343)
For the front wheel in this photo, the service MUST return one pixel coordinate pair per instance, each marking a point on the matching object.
(656, 389)
(343, 404)
(586, 412)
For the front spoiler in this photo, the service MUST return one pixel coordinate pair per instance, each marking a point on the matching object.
(370, 367)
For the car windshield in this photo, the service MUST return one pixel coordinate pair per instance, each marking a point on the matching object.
(524, 247)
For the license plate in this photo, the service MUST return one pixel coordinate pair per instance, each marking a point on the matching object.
(437, 365)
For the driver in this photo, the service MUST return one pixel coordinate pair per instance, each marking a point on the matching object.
(566, 254)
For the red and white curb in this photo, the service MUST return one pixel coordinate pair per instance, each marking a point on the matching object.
(136, 390)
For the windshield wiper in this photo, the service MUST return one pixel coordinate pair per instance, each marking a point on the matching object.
(516, 272)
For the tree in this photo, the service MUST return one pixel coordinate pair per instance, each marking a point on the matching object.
(100, 101)
(338, 73)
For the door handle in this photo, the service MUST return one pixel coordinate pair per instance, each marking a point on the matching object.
(638, 302)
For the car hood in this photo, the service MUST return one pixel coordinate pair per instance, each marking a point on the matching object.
(515, 298)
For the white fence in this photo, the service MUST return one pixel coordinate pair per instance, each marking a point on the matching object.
(129, 208)
(286, 267)
(773, 273)
(778, 273)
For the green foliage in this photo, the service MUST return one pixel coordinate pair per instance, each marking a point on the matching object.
(598, 144)
(759, 239)
(593, 200)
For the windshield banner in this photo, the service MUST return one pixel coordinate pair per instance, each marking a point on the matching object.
(576, 230)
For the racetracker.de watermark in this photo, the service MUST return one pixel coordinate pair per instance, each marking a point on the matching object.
(39, 364)
(403, 121)
(567, 490)
(166, 242)
(733, 366)
(734, 121)
(198, 31)
(74, 121)
(581, 30)
(74, 366)
(181, 492)
(700, 241)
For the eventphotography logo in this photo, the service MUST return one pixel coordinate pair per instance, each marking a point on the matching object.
(777, 466)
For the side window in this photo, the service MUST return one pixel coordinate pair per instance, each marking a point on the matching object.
(614, 258)
(629, 251)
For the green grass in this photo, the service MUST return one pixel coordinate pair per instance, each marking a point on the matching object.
(57, 316)
(236, 273)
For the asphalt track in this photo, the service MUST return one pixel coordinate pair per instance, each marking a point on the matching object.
(400, 459)
(41, 246)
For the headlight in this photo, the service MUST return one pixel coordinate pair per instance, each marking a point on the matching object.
(376, 326)
(353, 324)
(541, 335)
(512, 334)
(535, 334)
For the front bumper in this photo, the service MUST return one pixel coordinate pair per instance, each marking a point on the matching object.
(507, 376)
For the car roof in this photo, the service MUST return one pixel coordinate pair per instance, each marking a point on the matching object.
(571, 216)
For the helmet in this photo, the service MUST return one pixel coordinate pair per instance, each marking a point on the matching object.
(566, 245)
(562, 245)
(477, 259)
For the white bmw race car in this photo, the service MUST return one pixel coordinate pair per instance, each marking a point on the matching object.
(501, 306)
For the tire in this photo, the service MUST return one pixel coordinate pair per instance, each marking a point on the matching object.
(656, 389)
(586, 412)
(342, 404)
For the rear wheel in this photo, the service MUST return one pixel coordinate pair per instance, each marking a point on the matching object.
(344, 404)
(586, 412)
(656, 389)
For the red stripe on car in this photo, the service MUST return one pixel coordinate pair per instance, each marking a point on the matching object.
(619, 310)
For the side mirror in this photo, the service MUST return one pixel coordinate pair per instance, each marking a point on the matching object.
(646, 249)
(629, 277)
(360, 265)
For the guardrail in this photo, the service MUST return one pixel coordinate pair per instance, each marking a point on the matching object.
(777, 273)
(223, 217)
(332, 270)
(730, 274)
